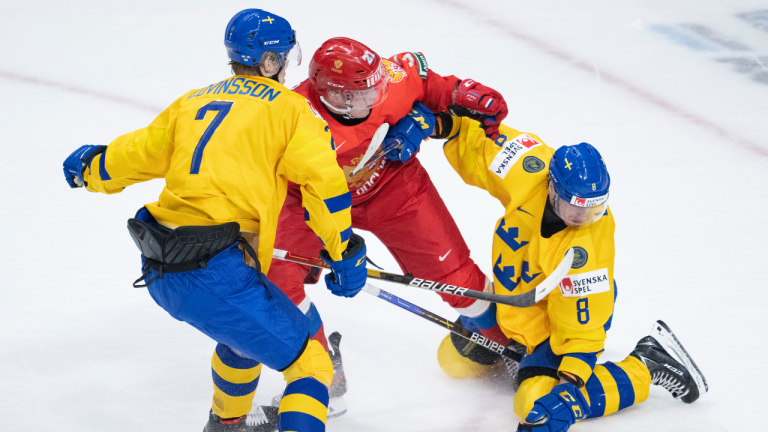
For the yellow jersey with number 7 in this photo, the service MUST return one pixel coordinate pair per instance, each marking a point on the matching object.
(227, 152)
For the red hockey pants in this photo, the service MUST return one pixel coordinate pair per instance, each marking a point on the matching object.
(411, 220)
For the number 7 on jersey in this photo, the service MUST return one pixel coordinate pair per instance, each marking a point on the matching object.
(223, 109)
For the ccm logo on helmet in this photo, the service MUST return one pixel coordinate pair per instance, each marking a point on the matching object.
(335, 85)
(272, 42)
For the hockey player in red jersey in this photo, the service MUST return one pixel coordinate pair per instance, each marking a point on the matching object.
(356, 91)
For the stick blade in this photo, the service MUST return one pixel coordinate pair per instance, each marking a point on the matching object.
(546, 286)
(376, 141)
(554, 279)
(287, 256)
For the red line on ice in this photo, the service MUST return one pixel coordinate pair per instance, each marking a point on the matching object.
(79, 90)
(610, 78)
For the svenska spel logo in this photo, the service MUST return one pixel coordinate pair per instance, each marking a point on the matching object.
(566, 286)
(528, 142)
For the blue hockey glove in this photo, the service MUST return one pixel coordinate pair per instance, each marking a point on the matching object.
(349, 275)
(405, 137)
(557, 411)
(76, 163)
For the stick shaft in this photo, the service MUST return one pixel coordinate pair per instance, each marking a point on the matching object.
(442, 322)
(521, 300)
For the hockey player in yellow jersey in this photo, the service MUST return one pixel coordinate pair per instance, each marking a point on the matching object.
(556, 200)
(226, 152)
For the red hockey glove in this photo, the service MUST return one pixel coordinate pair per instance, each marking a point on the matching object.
(480, 103)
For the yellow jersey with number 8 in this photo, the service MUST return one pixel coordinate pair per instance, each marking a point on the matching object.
(575, 316)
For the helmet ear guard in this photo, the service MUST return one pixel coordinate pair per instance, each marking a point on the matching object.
(270, 63)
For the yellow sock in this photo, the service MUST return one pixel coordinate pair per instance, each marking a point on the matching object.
(615, 386)
(235, 380)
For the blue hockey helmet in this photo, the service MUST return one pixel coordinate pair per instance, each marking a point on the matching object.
(252, 34)
(579, 183)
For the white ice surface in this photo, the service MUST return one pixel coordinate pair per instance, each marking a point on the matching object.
(684, 137)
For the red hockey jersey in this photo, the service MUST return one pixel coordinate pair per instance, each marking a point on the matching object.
(410, 80)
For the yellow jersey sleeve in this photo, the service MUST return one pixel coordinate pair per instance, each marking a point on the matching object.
(465, 152)
(135, 157)
(310, 162)
(485, 163)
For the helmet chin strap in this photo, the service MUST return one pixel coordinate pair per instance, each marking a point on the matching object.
(274, 77)
(344, 112)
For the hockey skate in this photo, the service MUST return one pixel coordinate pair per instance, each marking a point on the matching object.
(337, 406)
(670, 364)
(260, 419)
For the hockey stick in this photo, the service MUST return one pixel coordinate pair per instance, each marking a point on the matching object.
(380, 153)
(373, 147)
(442, 322)
(520, 300)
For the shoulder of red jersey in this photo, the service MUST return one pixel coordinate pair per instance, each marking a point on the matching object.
(305, 90)
(412, 62)
(302, 88)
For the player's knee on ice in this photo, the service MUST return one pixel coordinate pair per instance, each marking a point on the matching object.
(530, 390)
(460, 358)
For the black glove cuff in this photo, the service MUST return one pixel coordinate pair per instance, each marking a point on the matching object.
(571, 378)
(355, 244)
(87, 158)
(524, 427)
(443, 125)
(460, 111)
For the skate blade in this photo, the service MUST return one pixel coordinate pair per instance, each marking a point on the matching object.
(337, 407)
(663, 335)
